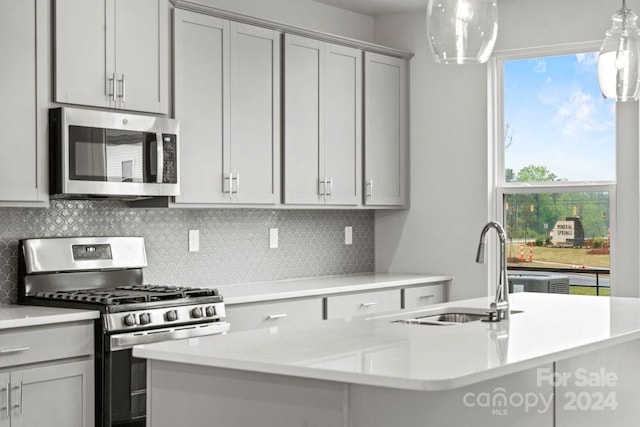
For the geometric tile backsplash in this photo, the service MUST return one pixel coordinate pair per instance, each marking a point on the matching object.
(234, 243)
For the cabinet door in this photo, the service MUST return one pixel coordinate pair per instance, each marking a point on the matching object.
(141, 28)
(82, 59)
(385, 130)
(304, 114)
(55, 395)
(24, 88)
(254, 140)
(201, 89)
(343, 124)
(5, 384)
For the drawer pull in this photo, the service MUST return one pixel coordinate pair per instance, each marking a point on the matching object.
(276, 316)
(368, 304)
(427, 296)
(13, 350)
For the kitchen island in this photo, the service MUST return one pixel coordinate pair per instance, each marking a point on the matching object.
(560, 361)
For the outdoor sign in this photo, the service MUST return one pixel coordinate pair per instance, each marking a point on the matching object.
(563, 231)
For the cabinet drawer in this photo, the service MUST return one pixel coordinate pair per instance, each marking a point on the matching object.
(268, 314)
(423, 295)
(362, 303)
(40, 343)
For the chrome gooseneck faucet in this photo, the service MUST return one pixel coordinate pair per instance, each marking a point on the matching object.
(500, 307)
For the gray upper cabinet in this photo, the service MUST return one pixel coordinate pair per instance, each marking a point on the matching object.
(227, 98)
(322, 122)
(24, 86)
(385, 123)
(112, 53)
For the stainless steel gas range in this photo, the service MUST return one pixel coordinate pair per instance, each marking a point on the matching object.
(106, 274)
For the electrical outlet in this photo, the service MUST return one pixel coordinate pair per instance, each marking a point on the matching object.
(348, 235)
(194, 240)
(273, 238)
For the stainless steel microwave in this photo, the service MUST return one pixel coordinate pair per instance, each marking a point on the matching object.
(107, 154)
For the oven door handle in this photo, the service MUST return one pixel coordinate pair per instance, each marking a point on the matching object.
(128, 340)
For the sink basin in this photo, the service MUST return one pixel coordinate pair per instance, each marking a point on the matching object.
(447, 316)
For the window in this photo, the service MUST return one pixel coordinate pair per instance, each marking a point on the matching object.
(556, 167)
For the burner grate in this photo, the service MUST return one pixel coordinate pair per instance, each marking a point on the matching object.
(129, 294)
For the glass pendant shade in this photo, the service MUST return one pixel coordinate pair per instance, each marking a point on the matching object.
(618, 61)
(462, 31)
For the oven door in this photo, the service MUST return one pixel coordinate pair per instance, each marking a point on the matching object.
(127, 380)
(125, 376)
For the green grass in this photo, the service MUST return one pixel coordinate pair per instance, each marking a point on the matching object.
(588, 290)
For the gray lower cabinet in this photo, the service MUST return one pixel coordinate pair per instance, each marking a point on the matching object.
(47, 376)
(55, 395)
(24, 41)
(297, 311)
(227, 98)
(322, 122)
(269, 314)
(385, 124)
(420, 296)
(350, 305)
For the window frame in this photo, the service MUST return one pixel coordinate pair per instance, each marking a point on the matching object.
(499, 187)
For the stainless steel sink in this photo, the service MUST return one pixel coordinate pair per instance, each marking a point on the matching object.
(447, 316)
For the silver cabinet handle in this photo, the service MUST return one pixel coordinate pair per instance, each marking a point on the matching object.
(237, 185)
(112, 86)
(427, 296)
(330, 181)
(123, 86)
(6, 399)
(368, 304)
(13, 350)
(19, 404)
(322, 190)
(276, 316)
(370, 188)
(230, 179)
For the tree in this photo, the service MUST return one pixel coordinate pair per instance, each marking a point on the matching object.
(533, 173)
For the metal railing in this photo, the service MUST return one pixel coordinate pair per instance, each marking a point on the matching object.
(593, 271)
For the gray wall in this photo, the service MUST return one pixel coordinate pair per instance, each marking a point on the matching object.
(233, 242)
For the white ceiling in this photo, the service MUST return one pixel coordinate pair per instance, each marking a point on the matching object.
(378, 7)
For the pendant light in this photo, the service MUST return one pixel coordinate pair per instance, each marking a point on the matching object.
(618, 64)
(462, 31)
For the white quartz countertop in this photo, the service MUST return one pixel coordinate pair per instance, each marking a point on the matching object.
(321, 286)
(416, 357)
(17, 316)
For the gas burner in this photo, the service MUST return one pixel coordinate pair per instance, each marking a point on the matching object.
(129, 294)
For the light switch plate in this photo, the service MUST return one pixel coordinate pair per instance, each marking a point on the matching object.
(273, 238)
(348, 235)
(194, 240)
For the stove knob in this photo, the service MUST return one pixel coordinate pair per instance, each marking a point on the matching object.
(196, 313)
(145, 319)
(171, 316)
(210, 311)
(129, 320)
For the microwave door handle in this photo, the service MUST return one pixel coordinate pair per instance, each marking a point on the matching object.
(160, 157)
